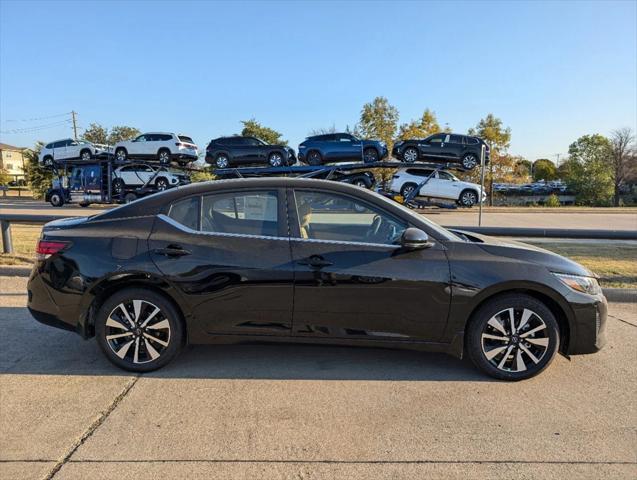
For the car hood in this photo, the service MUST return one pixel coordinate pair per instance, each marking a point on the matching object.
(523, 251)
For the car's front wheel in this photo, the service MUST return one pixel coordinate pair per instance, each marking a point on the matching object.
(469, 161)
(410, 155)
(121, 154)
(314, 158)
(56, 199)
(408, 189)
(512, 337)
(468, 198)
(161, 183)
(370, 155)
(275, 159)
(164, 156)
(139, 330)
(85, 155)
(222, 161)
(118, 186)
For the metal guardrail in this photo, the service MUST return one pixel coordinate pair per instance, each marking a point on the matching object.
(8, 218)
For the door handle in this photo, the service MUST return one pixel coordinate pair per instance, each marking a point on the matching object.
(315, 261)
(172, 251)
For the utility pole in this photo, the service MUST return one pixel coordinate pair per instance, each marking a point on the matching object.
(557, 155)
(74, 116)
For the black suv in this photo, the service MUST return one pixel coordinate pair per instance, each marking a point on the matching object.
(443, 147)
(340, 147)
(227, 152)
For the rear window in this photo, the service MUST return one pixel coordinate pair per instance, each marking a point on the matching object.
(186, 212)
(472, 140)
(183, 138)
(418, 172)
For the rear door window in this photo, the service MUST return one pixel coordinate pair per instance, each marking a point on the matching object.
(186, 212)
(244, 213)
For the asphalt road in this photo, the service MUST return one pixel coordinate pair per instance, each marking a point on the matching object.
(585, 219)
(307, 412)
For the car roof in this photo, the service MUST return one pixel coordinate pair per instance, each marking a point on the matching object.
(60, 140)
(156, 133)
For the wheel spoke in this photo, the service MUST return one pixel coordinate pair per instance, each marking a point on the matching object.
(118, 335)
(126, 315)
(121, 353)
(505, 356)
(491, 354)
(150, 317)
(136, 356)
(519, 361)
(526, 315)
(495, 323)
(542, 342)
(158, 325)
(151, 350)
(532, 331)
(137, 307)
(512, 320)
(495, 337)
(155, 339)
(530, 354)
(111, 322)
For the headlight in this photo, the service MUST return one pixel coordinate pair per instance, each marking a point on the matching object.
(579, 283)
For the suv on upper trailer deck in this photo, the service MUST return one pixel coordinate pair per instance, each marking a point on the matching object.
(160, 146)
(340, 147)
(443, 147)
(227, 152)
(69, 149)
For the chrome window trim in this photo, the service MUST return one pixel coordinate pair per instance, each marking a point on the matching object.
(345, 242)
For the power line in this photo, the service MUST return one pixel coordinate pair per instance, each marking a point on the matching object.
(38, 118)
(35, 128)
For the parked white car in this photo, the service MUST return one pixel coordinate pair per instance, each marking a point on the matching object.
(159, 146)
(69, 149)
(139, 175)
(441, 184)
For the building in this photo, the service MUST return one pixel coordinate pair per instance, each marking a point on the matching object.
(12, 160)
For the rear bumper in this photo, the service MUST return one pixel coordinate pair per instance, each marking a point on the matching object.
(44, 309)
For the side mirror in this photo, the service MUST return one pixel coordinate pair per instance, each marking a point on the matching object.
(415, 239)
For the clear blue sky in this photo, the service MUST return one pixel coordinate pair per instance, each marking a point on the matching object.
(551, 70)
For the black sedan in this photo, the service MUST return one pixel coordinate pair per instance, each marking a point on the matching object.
(305, 260)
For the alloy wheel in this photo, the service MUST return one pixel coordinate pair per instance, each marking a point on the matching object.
(410, 155)
(469, 199)
(86, 156)
(469, 162)
(164, 157)
(222, 161)
(120, 155)
(370, 155)
(137, 331)
(276, 160)
(408, 191)
(514, 339)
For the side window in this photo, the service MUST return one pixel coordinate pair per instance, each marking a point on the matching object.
(247, 213)
(330, 216)
(165, 138)
(456, 139)
(444, 176)
(142, 138)
(186, 212)
(344, 138)
(439, 138)
(472, 141)
(419, 172)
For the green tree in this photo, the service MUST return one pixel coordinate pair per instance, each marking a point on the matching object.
(421, 128)
(544, 169)
(38, 178)
(5, 178)
(379, 120)
(590, 172)
(203, 175)
(95, 133)
(491, 130)
(252, 128)
(119, 133)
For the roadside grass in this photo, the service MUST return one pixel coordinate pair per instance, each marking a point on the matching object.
(616, 264)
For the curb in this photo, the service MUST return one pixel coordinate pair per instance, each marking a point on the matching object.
(15, 270)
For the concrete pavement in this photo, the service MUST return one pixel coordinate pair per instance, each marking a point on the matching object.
(257, 411)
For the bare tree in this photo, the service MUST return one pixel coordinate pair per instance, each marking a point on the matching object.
(623, 157)
(322, 131)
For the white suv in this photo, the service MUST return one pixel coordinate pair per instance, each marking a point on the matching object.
(69, 149)
(160, 146)
(138, 175)
(441, 184)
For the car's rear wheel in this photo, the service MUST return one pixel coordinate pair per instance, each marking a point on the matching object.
(164, 156)
(512, 337)
(407, 190)
(48, 161)
(468, 198)
(222, 161)
(121, 154)
(469, 161)
(56, 199)
(370, 155)
(85, 155)
(161, 183)
(275, 159)
(139, 330)
(314, 158)
(410, 155)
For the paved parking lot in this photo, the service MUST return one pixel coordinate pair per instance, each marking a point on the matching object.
(307, 412)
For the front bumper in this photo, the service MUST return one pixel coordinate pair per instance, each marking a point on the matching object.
(588, 331)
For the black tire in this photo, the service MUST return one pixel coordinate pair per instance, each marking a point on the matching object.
(540, 336)
(130, 197)
(314, 157)
(85, 155)
(161, 183)
(84, 204)
(370, 155)
(470, 161)
(360, 182)
(468, 198)
(118, 186)
(164, 331)
(163, 156)
(276, 159)
(56, 199)
(410, 154)
(222, 161)
(48, 161)
(121, 155)
(404, 190)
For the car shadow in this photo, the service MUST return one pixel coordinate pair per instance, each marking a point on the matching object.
(29, 348)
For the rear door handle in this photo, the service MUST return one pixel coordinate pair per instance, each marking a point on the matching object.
(315, 261)
(172, 251)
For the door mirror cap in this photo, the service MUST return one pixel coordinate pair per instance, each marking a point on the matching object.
(415, 239)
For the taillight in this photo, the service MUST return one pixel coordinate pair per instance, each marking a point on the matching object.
(47, 248)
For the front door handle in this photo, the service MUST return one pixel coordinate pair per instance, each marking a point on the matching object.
(172, 251)
(315, 261)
